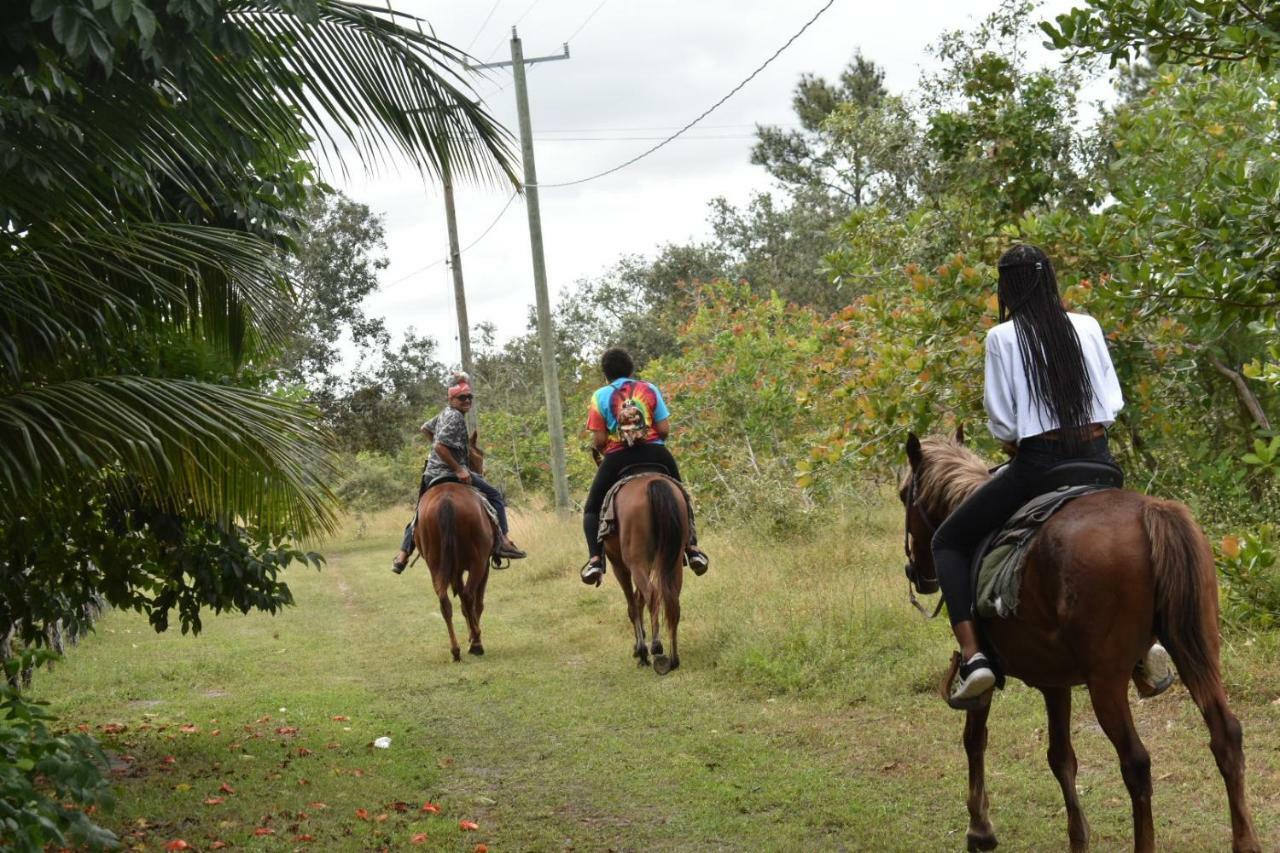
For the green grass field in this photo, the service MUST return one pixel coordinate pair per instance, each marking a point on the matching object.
(803, 717)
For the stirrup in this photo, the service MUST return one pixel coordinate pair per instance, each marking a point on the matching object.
(590, 577)
(1153, 674)
(697, 560)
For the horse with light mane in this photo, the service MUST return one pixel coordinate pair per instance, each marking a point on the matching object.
(1105, 574)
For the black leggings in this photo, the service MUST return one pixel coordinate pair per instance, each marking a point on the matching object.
(608, 474)
(991, 506)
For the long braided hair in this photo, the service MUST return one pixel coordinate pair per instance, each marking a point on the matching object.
(1051, 354)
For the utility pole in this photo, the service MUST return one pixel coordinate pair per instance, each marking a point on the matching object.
(546, 335)
(459, 293)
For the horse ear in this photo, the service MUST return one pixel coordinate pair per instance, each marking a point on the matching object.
(960, 433)
(914, 453)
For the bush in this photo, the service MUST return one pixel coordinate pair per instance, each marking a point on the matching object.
(1250, 577)
(49, 784)
(374, 481)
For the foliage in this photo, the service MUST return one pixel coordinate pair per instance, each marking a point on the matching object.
(1195, 32)
(339, 254)
(153, 160)
(1251, 579)
(50, 784)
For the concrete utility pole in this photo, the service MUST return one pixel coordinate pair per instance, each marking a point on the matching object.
(459, 292)
(546, 335)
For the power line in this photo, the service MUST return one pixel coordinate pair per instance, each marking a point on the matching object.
(705, 113)
(587, 21)
(465, 248)
(523, 15)
(494, 8)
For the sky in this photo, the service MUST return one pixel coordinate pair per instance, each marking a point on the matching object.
(637, 73)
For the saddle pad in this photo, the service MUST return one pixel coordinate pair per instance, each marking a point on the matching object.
(450, 478)
(608, 517)
(999, 559)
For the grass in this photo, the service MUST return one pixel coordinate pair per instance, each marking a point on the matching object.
(803, 716)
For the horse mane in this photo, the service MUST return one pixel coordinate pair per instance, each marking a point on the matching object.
(949, 473)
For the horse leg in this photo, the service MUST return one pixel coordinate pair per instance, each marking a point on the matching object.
(446, 610)
(468, 600)
(477, 607)
(1062, 761)
(672, 614)
(1226, 739)
(1110, 698)
(635, 611)
(653, 597)
(981, 835)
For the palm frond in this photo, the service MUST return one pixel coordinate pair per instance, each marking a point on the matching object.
(211, 450)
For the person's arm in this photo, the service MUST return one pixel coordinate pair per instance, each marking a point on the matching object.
(599, 439)
(663, 428)
(997, 396)
(459, 471)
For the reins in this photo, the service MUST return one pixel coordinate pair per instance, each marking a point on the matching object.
(913, 502)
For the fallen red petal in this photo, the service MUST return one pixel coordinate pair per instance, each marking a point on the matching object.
(469, 825)
(480, 848)
(264, 830)
(420, 838)
(304, 838)
(177, 844)
(339, 718)
(226, 789)
(215, 801)
(363, 814)
(431, 808)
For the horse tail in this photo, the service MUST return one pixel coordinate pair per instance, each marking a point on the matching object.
(446, 524)
(1186, 590)
(667, 543)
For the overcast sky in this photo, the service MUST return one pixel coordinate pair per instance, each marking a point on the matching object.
(638, 72)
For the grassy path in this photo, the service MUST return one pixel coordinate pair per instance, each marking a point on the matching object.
(801, 718)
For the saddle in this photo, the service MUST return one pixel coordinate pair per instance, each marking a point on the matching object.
(427, 485)
(608, 515)
(998, 560)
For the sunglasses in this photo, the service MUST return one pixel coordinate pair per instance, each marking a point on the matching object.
(465, 398)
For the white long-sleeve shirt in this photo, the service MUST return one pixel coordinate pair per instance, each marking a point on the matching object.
(1011, 412)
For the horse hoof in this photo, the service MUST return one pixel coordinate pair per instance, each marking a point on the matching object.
(642, 658)
(663, 664)
(981, 842)
(457, 655)
(476, 649)
(656, 648)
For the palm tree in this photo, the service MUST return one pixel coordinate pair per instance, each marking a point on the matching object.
(154, 157)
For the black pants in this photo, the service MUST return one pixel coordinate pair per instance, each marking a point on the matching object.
(991, 506)
(608, 474)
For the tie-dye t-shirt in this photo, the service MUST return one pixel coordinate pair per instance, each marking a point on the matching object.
(607, 402)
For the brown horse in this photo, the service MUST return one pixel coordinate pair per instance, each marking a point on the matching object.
(648, 550)
(1108, 572)
(456, 536)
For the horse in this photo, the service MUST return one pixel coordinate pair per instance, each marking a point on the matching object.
(455, 534)
(1104, 575)
(647, 554)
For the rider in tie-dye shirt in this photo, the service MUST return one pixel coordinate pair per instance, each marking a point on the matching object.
(629, 422)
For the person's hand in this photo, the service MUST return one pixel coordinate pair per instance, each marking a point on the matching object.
(1010, 448)
(464, 477)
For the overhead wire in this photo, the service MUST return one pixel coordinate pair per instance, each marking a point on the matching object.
(468, 247)
(492, 9)
(704, 114)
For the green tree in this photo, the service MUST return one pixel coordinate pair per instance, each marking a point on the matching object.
(1195, 32)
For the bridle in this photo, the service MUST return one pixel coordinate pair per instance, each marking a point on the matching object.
(914, 579)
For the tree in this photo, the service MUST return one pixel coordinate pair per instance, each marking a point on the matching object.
(336, 267)
(1194, 32)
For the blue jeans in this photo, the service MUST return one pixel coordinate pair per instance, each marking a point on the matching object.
(991, 506)
(491, 493)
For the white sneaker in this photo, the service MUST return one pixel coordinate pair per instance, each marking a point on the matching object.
(1154, 673)
(974, 678)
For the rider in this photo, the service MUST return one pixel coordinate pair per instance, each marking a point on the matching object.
(1050, 392)
(628, 421)
(450, 454)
